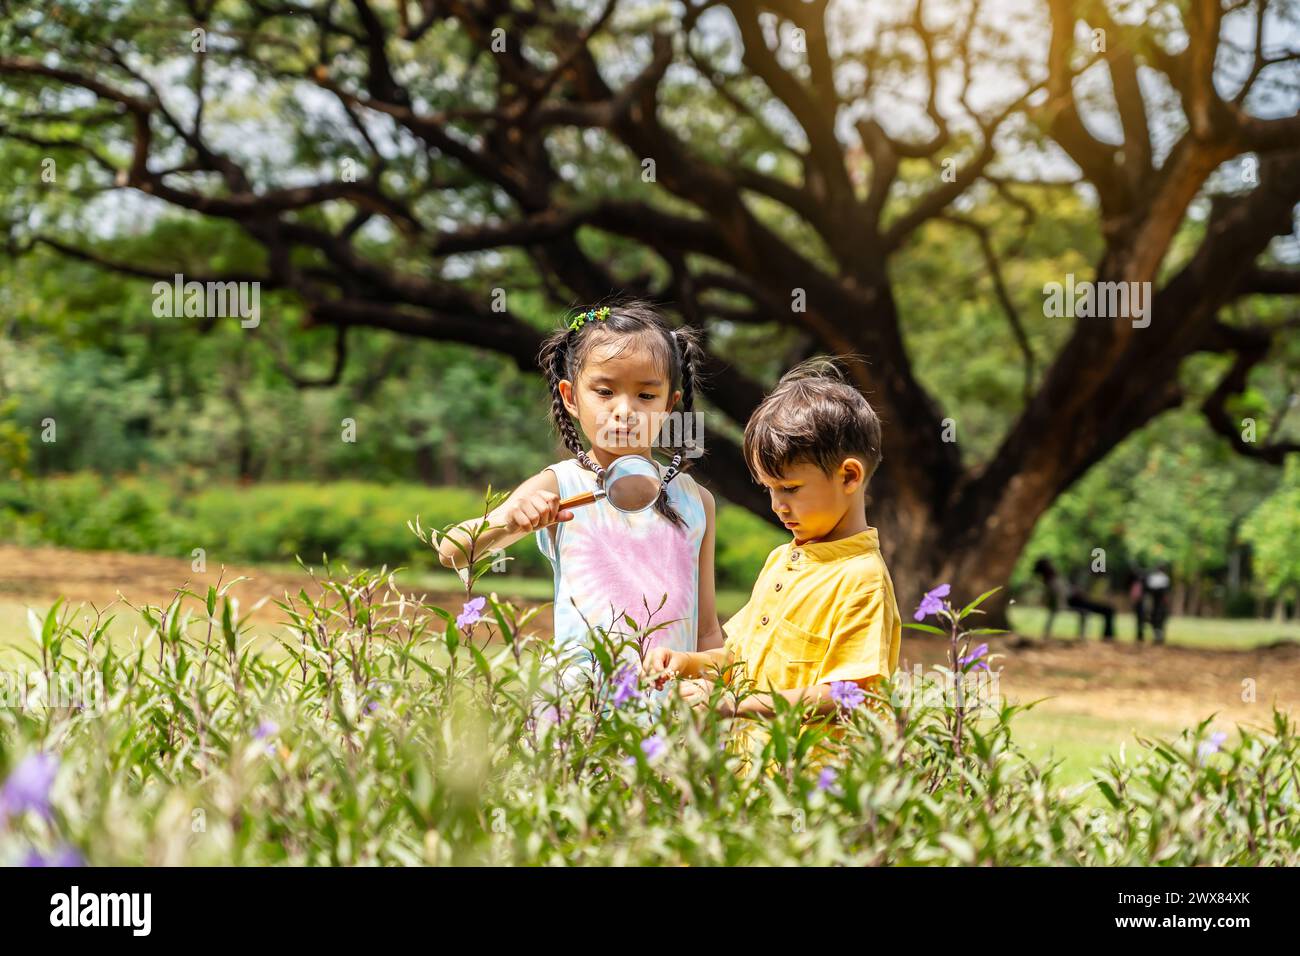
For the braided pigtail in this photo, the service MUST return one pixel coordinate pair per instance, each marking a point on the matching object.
(554, 361)
(692, 357)
(688, 352)
(662, 504)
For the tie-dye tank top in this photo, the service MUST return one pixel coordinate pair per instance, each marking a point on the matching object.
(608, 564)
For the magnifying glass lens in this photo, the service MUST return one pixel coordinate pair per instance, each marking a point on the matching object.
(631, 485)
(633, 492)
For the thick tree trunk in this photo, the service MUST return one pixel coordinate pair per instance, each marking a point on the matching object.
(426, 467)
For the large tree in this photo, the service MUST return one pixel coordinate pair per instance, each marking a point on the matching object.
(426, 166)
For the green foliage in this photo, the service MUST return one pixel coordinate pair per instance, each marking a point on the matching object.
(1166, 494)
(380, 731)
(125, 387)
(94, 513)
(15, 449)
(1273, 531)
(355, 521)
(743, 542)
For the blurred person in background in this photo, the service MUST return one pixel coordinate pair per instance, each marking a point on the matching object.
(1061, 593)
(1153, 601)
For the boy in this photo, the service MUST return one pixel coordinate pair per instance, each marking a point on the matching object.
(822, 611)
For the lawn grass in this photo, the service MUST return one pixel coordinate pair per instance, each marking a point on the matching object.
(1213, 633)
(1081, 742)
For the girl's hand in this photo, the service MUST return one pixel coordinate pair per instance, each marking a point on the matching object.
(662, 664)
(532, 511)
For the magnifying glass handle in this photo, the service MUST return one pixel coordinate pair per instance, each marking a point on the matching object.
(586, 498)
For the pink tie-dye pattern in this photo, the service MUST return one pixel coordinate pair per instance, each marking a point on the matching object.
(631, 568)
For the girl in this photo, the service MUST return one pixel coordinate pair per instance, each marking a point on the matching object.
(618, 370)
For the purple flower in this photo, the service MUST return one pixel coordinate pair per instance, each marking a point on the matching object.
(267, 728)
(847, 694)
(652, 747)
(28, 787)
(625, 685)
(931, 603)
(63, 856)
(372, 707)
(974, 656)
(826, 780)
(471, 613)
(1212, 745)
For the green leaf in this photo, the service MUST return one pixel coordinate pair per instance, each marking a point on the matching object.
(1109, 793)
(480, 661)
(959, 847)
(970, 608)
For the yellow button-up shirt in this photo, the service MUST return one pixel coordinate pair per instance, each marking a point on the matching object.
(819, 612)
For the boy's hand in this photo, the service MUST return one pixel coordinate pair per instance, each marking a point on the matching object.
(533, 511)
(662, 664)
(698, 692)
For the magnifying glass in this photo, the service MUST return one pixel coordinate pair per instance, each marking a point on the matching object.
(631, 485)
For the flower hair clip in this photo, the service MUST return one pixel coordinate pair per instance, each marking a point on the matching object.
(591, 315)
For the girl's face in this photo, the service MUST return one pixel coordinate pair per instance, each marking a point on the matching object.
(619, 399)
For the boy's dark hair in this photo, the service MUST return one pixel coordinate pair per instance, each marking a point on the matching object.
(813, 415)
(677, 353)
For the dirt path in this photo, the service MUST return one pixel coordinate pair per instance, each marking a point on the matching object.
(99, 578)
(1126, 682)
(1133, 682)
(36, 576)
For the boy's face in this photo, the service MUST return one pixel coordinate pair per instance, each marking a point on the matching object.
(810, 502)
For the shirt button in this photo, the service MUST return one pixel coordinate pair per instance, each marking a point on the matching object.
(794, 555)
(778, 585)
(764, 621)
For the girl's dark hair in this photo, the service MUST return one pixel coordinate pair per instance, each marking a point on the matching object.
(676, 351)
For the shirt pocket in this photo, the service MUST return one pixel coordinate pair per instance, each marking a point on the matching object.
(797, 656)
